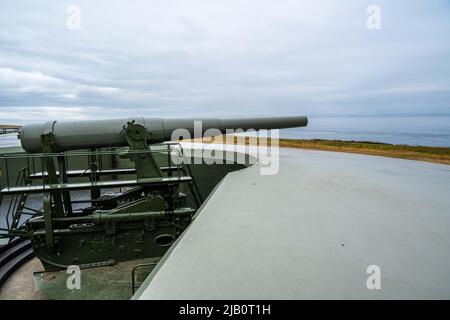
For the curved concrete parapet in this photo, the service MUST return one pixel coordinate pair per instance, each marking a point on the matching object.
(313, 230)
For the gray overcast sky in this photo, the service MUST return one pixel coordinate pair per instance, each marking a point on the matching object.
(222, 58)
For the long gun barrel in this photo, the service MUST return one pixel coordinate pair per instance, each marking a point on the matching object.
(73, 135)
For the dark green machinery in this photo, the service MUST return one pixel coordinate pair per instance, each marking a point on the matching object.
(109, 192)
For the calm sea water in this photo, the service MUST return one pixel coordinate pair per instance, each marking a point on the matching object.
(426, 131)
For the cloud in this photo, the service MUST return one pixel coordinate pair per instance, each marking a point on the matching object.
(27, 81)
(37, 113)
(32, 113)
(37, 83)
(226, 57)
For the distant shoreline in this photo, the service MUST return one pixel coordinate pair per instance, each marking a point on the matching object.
(6, 128)
(420, 153)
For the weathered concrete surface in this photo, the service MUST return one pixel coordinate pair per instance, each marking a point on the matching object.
(21, 286)
(29, 282)
(312, 230)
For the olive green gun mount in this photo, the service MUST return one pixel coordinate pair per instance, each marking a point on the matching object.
(111, 191)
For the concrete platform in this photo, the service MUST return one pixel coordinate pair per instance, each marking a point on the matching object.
(312, 230)
(21, 285)
(30, 282)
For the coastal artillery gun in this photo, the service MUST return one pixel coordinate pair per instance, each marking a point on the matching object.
(111, 190)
